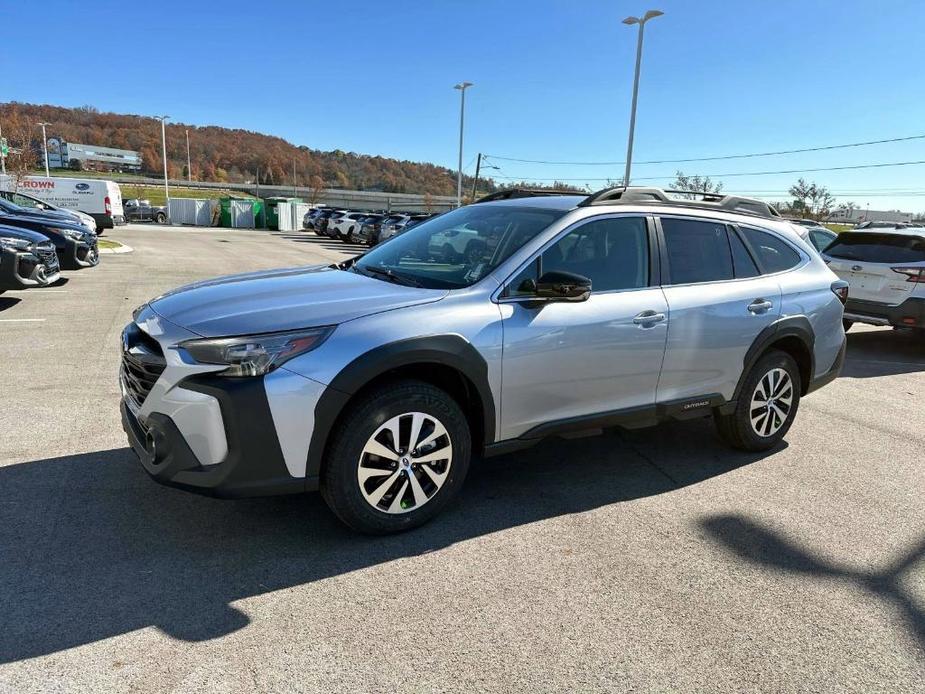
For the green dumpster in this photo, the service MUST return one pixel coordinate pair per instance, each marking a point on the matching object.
(251, 217)
(271, 212)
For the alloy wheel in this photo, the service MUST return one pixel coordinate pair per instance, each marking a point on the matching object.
(405, 463)
(771, 402)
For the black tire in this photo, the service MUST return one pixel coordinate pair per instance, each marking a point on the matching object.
(161, 218)
(448, 253)
(737, 429)
(349, 237)
(846, 324)
(339, 485)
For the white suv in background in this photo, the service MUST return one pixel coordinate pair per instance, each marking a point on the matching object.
(346, 226)
(885, 271)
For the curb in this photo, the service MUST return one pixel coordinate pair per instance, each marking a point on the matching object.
(121, 249)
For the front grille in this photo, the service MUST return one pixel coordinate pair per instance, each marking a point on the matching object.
(48, 257)
(142, 363)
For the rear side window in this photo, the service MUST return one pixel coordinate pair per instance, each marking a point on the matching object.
(698, 251)
(773, 254)
(874, 247)
(741, 259)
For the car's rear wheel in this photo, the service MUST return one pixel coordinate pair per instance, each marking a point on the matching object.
(397, 459)
(767, 404)
(161, 218)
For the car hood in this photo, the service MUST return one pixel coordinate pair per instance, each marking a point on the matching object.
(285, 299)
(21, 233)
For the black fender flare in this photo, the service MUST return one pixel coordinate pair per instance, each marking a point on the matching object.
(446, 350)
(792, 326)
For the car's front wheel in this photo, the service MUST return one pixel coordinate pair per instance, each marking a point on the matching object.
(397, 459)
(767, 404)
(161, 218)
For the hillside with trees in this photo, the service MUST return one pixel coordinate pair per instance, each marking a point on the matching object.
(225, 154)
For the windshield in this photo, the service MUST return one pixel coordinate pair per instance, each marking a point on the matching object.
(8, 206)
(878, 247)
(458, 248)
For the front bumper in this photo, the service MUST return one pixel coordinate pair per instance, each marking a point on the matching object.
(909, 314)
(253, 465)
(23, 269)
(78, 254)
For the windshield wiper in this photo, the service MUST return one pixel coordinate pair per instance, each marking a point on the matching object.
(392, 276)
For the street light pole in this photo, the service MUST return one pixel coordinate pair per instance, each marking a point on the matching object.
(163, 120)
(189, 166)
(462, 86)
(651, 14)
(45, 147)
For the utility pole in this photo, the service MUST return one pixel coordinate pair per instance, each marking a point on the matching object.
(651, 14)
(475, 183)
(189, 166)
(163, 120)
(462, 86)
(45, 147)
(295, 194)
(2, 153)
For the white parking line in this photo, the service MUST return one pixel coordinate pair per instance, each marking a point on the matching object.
(22, 320)
(39, 291)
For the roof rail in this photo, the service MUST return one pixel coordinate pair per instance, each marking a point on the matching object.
(706, 201)
(511, 193)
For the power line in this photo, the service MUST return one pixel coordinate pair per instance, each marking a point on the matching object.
(716, 158)
(731, 175)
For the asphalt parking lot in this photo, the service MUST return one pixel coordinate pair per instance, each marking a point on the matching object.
(653, 560)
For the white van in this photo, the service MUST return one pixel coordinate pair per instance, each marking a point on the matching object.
(100, 199)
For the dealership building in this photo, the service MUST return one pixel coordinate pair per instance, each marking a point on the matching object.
(71, 155)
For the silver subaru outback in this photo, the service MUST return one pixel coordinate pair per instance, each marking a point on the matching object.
(480, 331)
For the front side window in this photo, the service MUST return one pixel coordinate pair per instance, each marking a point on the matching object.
(698, 251)
(774, 254)
(613, 253)
(459, 248)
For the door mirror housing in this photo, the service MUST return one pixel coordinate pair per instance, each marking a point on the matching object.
(563, 286)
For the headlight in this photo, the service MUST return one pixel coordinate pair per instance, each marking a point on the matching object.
(255, 355)
(18, 244)
(70, 233)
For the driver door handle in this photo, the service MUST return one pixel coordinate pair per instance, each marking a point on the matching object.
(647, 319)
(760, 306)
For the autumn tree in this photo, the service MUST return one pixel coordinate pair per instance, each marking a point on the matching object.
(695, 184)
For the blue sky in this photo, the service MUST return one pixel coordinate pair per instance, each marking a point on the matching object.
(552, 80)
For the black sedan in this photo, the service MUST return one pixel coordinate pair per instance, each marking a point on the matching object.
(27, 259)
(75, 244)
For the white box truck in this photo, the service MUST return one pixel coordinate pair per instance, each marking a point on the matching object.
(98, 198)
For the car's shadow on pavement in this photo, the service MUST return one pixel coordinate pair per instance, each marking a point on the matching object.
(886, 352)
(748, 541)
(7, 302)
(91, 548)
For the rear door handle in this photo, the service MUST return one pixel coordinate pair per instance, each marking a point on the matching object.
(648, 318)
(760, 306)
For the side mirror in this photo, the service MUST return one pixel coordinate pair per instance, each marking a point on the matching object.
(563, 286)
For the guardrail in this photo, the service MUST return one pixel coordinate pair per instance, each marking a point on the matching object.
(331, 197)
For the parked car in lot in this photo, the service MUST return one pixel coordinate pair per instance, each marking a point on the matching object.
(27, 259)
(346, 226)
(377, 379)
(321, 221)
(819, 236)
(885, 271)
(75, 245)
(140, 210)
(309, 217)
(879, 224)
(392, 225)
(30, 202)
(369, 229)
